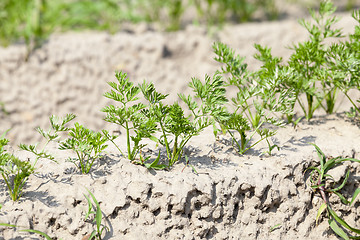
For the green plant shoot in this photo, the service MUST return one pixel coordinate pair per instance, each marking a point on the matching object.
(175, 128)
(128, 115)
(87, 145)
(319, 179)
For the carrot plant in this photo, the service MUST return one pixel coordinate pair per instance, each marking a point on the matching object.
(317, 70)
(322, 183)
(144, 121)
(128, 115)
(57, 125)
(175, 128)
(344, 62)
(310, 62)
(87, 144)
(259, 102)
(14, 171)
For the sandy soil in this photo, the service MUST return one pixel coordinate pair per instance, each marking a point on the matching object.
(231, 197)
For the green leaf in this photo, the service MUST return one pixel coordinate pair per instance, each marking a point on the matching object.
(275, 227)
(2, 136)
(342, 198)
(321, 155)
(8, 225)
(89, 207)
(337, 229)
(98, 216)
(342, 222)
(93, 234)
(356, 193)
(155, 164)
(320, 211)
(38, 232)
(343, 183)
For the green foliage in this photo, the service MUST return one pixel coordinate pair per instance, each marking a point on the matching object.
(128, 115)
(273, 228)
(218, 11)
(175, 128)
(315, 69)
(261, 95)
(344, 63)
(97, 233)
(87, 145)
(14, 171)
(323, 183)
(22, 19)
(309, 61)
(142, 121)
(57, 126)
(34, 20)
(166, 12)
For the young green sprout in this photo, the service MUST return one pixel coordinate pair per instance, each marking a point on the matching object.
(87, 145)
(318, 178)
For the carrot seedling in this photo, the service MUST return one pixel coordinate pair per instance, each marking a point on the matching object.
(87, 144)
(128, 115)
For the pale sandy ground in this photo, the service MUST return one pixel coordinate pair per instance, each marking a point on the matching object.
(232, 197)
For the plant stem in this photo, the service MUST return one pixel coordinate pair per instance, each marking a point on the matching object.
(302, 106)
(128, 140)
(168, 152)
(310, 100)
(352, 102)
(330, 100)
(9, 187)
(174, 155)
(234, 140)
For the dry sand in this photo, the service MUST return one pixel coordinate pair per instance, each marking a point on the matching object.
(231, 197)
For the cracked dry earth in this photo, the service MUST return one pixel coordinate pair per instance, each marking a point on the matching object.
(231, 197)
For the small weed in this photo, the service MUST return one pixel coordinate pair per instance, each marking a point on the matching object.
(100, 228)
(96, 234)
(273, 228)
(187, 163)
(319, 179)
